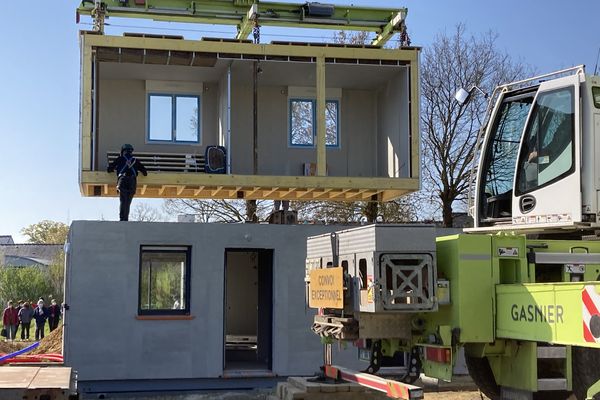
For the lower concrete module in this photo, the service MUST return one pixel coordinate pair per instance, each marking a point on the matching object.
(109, 337)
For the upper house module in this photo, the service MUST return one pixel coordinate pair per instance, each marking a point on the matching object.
(206, 128)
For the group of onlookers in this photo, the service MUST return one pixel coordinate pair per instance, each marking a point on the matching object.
(23, 314)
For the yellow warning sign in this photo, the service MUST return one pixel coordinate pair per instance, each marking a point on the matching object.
(326, 288)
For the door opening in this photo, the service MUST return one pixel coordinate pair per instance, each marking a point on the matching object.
(248, 309)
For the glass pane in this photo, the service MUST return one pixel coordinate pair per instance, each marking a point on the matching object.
(504, 146)
(186, 119)
(331, 122)
(596, 96)
(161, 116)
(301, 116)
(547, 147)
(162, 285)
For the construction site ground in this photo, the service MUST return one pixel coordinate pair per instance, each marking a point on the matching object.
(295, 389)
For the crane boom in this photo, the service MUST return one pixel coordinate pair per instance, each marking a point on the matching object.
(245, 14)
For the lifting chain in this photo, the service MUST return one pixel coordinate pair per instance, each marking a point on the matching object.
(404, 38)
(99, 15)
(256, 30)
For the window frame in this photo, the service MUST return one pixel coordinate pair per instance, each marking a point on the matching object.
(173, 97)
(175, 249)
(517, 179)
(314, 122)
(596, 92)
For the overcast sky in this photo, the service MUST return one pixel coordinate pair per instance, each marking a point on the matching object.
(39, 83)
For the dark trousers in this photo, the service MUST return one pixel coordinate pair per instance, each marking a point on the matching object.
(25, 330)
(53, 323)
(39, 330)
(126, 186)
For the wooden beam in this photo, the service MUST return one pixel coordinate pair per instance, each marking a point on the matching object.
(216, 191)
(302, 193)
(252, 191)
(267, 193)
(162, 189)
(321, 194)
(233, 192)
(353, 195)
(143, 191)
(321, 120)
(180, 189)
(198, 191)
(341, 193)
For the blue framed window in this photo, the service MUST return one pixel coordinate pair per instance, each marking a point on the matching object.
(302, 128)
(173, 118)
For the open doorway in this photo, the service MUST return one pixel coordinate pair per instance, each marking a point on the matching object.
(248, 309)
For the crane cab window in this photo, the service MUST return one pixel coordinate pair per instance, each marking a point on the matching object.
(501, 156)
(596, 96)
(547, 153)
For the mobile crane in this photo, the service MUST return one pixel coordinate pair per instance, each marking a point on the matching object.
(523, 302)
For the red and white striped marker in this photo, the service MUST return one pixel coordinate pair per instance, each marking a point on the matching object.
(591, 314)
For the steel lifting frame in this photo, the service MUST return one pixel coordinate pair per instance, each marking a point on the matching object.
(245, 14)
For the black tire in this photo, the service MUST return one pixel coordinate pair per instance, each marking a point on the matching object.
(482, 375)
(586, 370)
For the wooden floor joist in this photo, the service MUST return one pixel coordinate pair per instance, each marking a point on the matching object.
(219, 186)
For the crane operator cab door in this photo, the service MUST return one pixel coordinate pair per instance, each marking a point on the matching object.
(547, 180)
(529, 174)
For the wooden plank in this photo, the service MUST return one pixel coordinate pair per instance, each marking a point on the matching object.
(144, 187)
(198, 191)
(52, 378)
(180, 189)
(17, 377)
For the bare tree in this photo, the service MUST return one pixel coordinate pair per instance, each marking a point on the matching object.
(449, 130)
(145, 212)
(218, 210)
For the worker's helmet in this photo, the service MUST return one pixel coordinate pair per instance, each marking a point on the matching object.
(126, 147)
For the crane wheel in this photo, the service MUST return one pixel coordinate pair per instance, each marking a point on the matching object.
(482, 375)
(586, 370)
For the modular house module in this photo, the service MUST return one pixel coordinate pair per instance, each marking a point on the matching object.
(233, 119)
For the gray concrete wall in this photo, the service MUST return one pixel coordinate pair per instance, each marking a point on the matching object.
(103, 340)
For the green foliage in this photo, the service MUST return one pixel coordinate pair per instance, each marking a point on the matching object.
(31, 283)
(47, 232)
(27, 283)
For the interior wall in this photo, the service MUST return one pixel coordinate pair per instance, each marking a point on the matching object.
(354, 157)
(242, 293)
(393, 127)
(373, 117)
(122, 119)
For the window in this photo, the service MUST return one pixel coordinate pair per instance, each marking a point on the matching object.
(596, 96)
(302, 122)
(173, 118)
(547, 153)
(164, 280)
(504, 145)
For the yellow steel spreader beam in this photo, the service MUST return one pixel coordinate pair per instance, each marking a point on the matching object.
(246, 13)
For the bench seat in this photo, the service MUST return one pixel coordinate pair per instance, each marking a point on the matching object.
(166, 162)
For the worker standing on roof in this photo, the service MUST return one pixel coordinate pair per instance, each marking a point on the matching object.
(127, 168)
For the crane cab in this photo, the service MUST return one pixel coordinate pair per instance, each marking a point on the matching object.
(538, 168)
